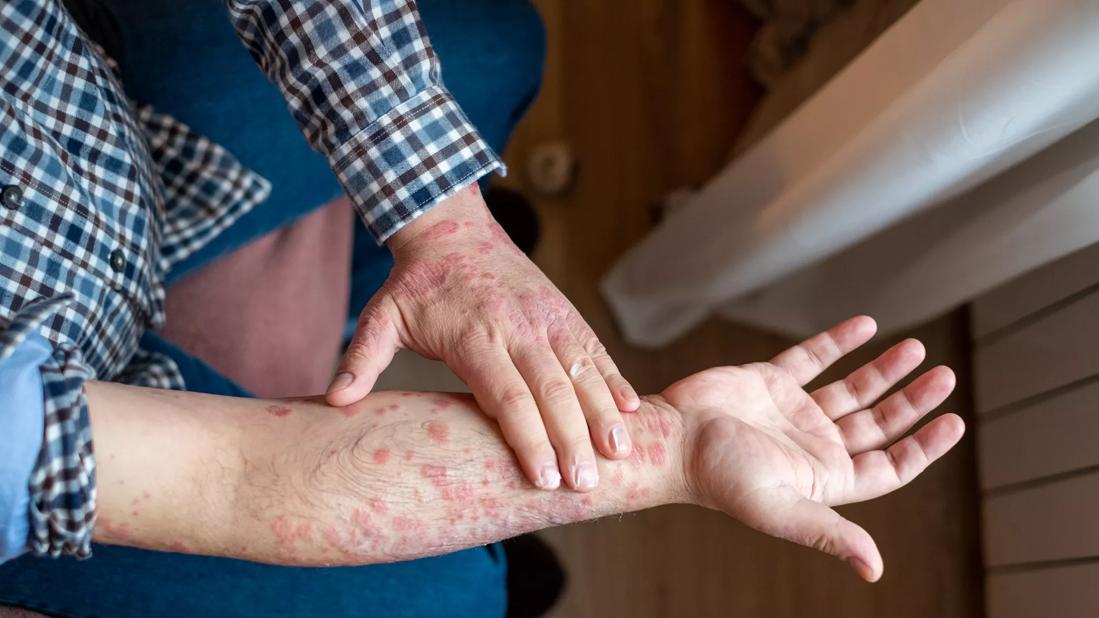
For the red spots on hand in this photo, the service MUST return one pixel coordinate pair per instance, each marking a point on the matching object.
(378, 506)
(636, 492)
(351, 410)
(381, 456)
(407, 523)
(409, 454)
(485, 248)
(279, 411)
(657, 454)
(380, 411)
(438, 431)
(442, 402)
(441, 229)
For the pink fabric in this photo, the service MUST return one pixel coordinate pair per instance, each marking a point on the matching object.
(270, 315)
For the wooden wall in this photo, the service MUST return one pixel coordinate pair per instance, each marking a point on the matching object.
(1036, 372)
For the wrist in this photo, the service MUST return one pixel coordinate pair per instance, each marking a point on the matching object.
(660, 439)
(441, 224)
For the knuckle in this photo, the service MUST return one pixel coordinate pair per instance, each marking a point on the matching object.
(594, 347)
(514, 399)
(556, 391)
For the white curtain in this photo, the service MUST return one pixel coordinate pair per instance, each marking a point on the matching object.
(956, 152)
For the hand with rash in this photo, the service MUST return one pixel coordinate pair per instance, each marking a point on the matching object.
(398, 476)
(461, 292)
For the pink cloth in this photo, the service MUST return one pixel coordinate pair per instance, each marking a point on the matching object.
(270, 316)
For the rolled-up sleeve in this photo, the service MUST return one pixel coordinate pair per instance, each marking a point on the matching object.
(22, 413)
(48, 478)
(363, 83)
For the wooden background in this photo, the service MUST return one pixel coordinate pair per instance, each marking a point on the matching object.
(651, 96)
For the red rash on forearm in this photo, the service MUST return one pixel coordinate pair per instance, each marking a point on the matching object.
(423, 475)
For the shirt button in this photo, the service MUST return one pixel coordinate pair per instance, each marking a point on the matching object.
(118, 260)
(11, 197)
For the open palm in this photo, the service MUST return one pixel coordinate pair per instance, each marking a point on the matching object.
(776, 457)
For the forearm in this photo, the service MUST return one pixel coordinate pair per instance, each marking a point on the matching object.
(397, 476)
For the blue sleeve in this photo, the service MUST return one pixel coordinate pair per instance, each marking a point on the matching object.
(21, 419)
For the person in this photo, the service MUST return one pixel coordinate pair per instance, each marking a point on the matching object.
(401, 475)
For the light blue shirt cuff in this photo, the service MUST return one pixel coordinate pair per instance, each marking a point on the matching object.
(21, 421)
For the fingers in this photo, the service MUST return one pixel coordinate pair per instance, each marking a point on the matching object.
(808, 359)
(608, 430)
(502, 393)
(893, 417)
(880, 472)
(564, 420)
(784, 513)
(371, 350)
(625, 397)
(867, 383)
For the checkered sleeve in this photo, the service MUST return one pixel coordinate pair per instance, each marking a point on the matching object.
(62, 485)
(363, 83)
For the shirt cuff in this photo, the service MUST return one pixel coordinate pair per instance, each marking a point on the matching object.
(22, 414)
(420, 153)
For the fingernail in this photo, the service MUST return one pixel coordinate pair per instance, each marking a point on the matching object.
(584, 476)
(620, 440)
(549, 477)
(341, 382)
(628, 393)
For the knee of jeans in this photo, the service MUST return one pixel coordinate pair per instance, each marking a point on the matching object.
(518, 41)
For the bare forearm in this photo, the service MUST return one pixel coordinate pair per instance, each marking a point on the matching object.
(397, 476)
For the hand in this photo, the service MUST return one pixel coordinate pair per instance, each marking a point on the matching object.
(775, 457)
(461, 292)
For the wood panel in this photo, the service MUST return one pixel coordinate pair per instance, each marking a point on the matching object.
(1056, 521)
(1036, 290)
(1055, 435)
(1057, 349)
(1064, 592)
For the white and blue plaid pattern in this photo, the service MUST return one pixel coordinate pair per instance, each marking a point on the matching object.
(363, 84)
(114, 194)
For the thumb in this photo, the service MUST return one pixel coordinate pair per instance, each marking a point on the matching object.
(788, 515)
(371, 350)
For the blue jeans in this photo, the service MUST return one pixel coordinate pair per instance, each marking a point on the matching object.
(184, 59)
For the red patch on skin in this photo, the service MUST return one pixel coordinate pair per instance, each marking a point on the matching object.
(287, 534)
(586, 500)
(378, 506)
(350, 411)
(475, 189)
(432, 471)
(657, 454)
(379, 411)
(334, 540)
(438, 432)
(134, 512)
(279, 411)
(488, 276)
(179, 548)
(393, 407)
(442, 402)
(461, 492)
(381, 456)
(409, 454)
(618, 475)
(440, 230)
(404, 523)
(485, 248)
(145, 495)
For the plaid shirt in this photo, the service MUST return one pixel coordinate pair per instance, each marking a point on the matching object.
(100, 197)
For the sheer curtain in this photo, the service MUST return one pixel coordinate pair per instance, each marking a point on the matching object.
(956, 152)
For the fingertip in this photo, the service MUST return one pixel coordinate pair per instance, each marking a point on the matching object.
(347, 388)
(865, 324)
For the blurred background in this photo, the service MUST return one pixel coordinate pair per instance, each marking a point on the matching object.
(716, 178)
